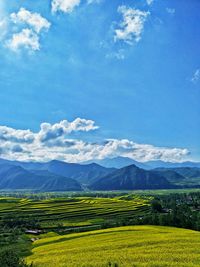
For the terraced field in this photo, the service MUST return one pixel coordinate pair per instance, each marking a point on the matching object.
(74, 211)
(131, 246)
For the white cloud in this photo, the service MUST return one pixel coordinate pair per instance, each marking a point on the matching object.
(171, 11)
(131, 27)
(35, 20)
(55, 141)
(149, 2)
(49, 132)
(29, 36)
(65, 6)
(196, 76)
(16, 136)
(26, 38)
(140, 152)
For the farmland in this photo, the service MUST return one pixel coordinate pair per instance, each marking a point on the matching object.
(130, 246)
(62, 215)
(71, 212)
(103, 229)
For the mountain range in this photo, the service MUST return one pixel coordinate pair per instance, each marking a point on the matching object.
(132, 178)
(120, 162)
(82, 173)
(50, 176)
(16, 178)
(62, 176)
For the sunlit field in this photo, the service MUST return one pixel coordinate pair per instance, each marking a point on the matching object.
(75, 211)
(132, 246)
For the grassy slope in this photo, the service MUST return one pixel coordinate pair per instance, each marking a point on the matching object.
(153, 246)
(63, 214)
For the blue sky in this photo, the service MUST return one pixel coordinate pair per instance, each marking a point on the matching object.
(131, 67)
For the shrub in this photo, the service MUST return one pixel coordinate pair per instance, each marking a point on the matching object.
(10, 258)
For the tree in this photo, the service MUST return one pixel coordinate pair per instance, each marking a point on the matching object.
(156, 206)
(10, 258)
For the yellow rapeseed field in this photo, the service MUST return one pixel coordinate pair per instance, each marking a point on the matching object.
(129, 246)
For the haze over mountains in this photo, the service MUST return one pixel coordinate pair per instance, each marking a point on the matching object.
(120, 162)
(61, 176)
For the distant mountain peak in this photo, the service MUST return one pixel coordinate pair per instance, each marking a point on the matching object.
(131, 178)
(117, 162)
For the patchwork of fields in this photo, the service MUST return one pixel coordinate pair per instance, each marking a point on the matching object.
(78, 211)
(67, 240)
(131, 246)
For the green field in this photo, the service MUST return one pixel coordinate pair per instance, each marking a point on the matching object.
(66, 223)
(70, 212)
(130, 246)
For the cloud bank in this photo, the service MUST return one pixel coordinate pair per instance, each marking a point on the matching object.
(57, 141)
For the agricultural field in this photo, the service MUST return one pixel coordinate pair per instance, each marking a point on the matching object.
(74, 212)
(109, 230)
(129, 246)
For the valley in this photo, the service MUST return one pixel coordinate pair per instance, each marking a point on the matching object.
(65, 229)
(57, 214)
(60, 176)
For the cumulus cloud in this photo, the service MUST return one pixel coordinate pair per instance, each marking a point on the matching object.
(35, 20)
(29, 36)
(140, 152)
(7, 148)
(16, 136)
(49, 131)
(26, 38)
(56, 141)
(66, 6)
(131, 27)
(196, 76)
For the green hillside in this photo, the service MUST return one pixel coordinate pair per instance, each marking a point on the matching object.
(132, 246)
(70, 212)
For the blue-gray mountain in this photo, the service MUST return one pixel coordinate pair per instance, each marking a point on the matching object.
(61, 176)
(16, 178)
(182, 176)
(120, 162)
(50, 176)
(132, 178)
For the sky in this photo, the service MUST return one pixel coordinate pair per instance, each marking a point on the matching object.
(90, 79)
